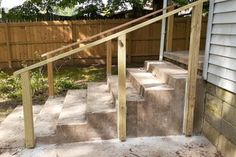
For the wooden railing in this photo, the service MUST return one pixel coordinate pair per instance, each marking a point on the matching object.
(194, 50)
(92, 38)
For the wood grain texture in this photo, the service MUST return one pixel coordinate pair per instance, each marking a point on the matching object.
(7, 34)
(190, 94)
(109, 57)
(28, 110)
(169, 33)
(50, 79)
(37, 39)
(122, 87)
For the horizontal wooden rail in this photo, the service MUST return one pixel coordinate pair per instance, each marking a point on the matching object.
(105, 32)
(100, 41)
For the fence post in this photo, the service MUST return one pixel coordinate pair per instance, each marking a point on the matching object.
(28, 110)
(129, 47)
(7, 33)
(109, 57)
(190, 94)
(122, 87)
(50, 78)
(187, 34)
(169, 33)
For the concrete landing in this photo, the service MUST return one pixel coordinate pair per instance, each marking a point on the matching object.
(170, 146)
(181, 57)
(12, 128)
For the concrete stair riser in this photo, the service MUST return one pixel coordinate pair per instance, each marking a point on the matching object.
(105, 124)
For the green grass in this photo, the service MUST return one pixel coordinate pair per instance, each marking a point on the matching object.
(64, 79)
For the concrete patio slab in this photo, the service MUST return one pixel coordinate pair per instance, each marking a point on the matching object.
(169, 146)
(12, 128)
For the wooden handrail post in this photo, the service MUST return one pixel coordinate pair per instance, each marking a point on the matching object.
(169, 33)
(28, 110)
(190, 94)
(50, 78)
(109, 57)
(122, 87)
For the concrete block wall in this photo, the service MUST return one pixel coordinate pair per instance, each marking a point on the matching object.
(219, 124)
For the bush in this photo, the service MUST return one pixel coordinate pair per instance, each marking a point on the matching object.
(9, 86)
(64, 83)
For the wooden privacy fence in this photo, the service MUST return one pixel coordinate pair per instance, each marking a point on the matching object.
(24, 42)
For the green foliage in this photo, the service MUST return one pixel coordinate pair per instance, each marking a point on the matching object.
(181, 2)
(38, 9)
(123, 5)
(90, 9)
(69, 78)
(28, 10)
(38, 83)
(9, 86)
(64, 83)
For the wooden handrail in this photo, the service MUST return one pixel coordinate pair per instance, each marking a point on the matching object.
(100, 41)
(105, 32)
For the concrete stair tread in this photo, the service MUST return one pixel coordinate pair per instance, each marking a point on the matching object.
(131, 93)
(146, 80)
(99, 99)
(45, 123)
(74, 108)
(167, 68)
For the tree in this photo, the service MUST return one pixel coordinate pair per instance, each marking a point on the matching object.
(90, 9)
(27, 11)
(123, 5)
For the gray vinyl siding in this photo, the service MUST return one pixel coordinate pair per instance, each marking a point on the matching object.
(220, 56)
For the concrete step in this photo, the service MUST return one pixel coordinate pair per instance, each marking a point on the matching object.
(175, 77)
(72, 122)
(162, 115)
(167, 72)
(45, 123)
(12, 128)
(99, 99)
(80, 121)
(144, 81)
(74, 107)
(101, 112)
(134, 102)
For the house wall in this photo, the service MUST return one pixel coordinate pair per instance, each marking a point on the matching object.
(220, 119)
(219, 124)
(220, 59)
